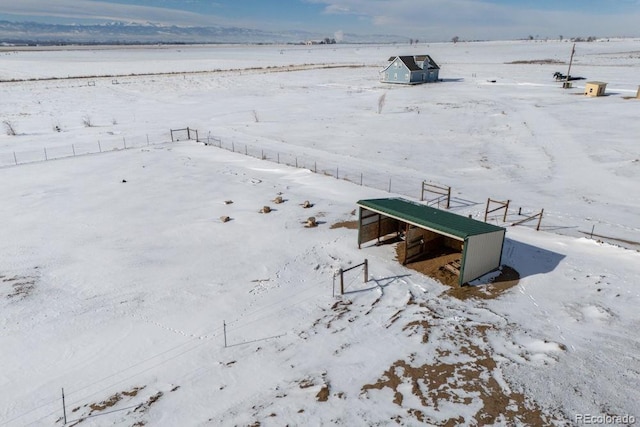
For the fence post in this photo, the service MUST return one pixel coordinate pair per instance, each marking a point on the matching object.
(366, 270)
(224, 328)
(246, 150)
(64, 409)
(73, 148)
(504, 219)
(389, 185)
(448, 197)
(360, 179)
(278, 158)
(233, 146)
(296, 162)
(45, 153)
(341, 281)
(333, 289)
(540, 220)
(15, 158)
(124, 141)
(99, 146)
(486, 210)
(147, 139)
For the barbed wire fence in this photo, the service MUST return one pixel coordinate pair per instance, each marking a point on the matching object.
(103, 145)
(357, 173)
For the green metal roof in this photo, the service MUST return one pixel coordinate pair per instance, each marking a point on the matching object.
(430, 218)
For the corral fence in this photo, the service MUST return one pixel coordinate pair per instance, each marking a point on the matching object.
(16, 158)
(409, 184)
(184, 134)
(357, 172)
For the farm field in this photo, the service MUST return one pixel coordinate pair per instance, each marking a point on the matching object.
(121, 283)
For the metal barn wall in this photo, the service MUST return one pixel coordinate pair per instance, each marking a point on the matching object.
(482, 254)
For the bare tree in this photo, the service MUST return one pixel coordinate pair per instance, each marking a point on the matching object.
(455, 39)
(381, 101)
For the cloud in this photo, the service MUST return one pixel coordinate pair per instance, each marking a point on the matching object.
(102, 11)
(485, 19)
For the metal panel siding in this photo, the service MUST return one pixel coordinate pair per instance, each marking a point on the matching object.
(482, 254)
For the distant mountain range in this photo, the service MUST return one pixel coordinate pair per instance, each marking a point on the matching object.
(129, 33)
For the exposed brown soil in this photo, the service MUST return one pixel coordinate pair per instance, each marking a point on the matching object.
(21, 286)
(538, 61)
(507, 279)
(462, 384)
(432, 265)
(352, 225)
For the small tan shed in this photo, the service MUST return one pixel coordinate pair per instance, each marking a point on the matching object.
(595, 88)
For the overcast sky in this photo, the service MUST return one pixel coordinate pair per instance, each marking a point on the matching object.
(427, 20)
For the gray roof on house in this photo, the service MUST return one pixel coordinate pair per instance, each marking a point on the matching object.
(410, 62)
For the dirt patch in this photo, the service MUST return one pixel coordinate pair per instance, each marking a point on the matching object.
(459, 383)
(113, 400)
(496, 286)
(537, 61)
(352, 225)
(20, 287)
(432, 265)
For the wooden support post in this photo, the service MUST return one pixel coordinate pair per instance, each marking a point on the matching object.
(341, 281)
(539, 220)
(359, 227)
(506, 209)
(486, 211)
(15, 159)
(448, 197)
(406, 244)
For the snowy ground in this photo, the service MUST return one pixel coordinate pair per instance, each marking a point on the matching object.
(116, 272)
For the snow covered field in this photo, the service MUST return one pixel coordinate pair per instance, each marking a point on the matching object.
(117, 273)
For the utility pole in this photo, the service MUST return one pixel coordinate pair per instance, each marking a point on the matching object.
(573, 50)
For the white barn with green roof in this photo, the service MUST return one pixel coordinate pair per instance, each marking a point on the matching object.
(426, 228)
